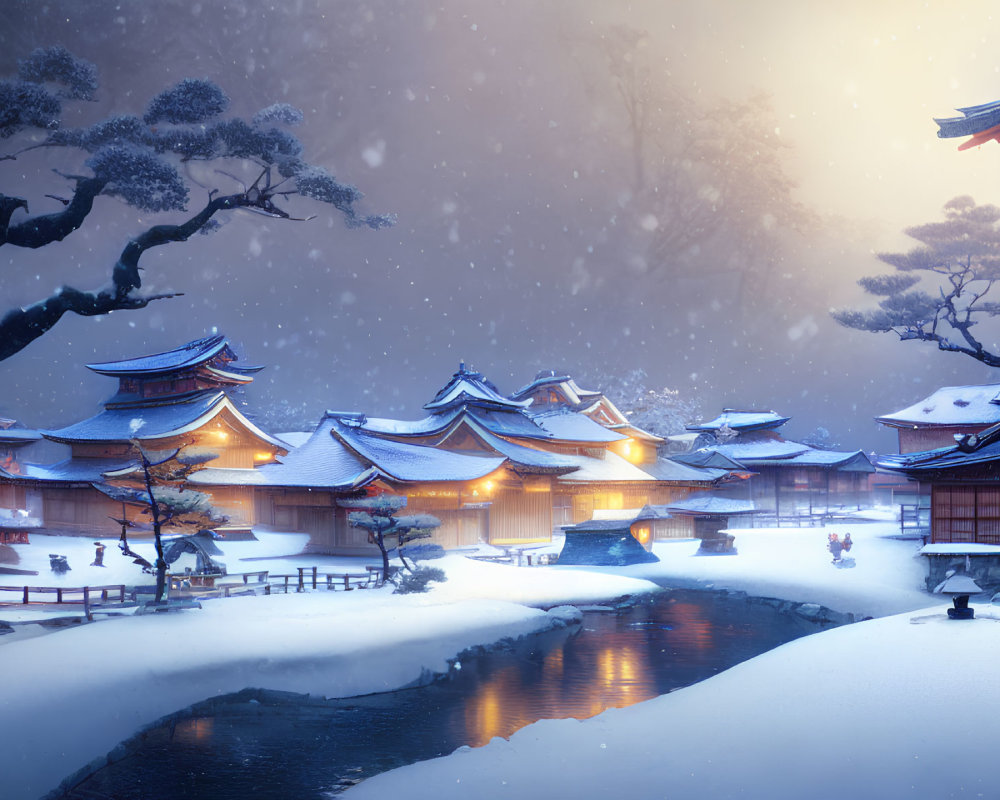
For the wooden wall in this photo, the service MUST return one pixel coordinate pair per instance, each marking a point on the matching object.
(84, 510)
(518, 517)
(915, 440)
(969, 513)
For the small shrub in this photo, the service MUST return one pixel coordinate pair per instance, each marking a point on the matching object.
(416, 581)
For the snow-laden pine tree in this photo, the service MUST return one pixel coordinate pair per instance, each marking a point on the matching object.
(137, 159)
(386, 528)
(940, 290)
(157, 484)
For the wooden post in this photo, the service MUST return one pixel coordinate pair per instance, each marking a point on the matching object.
(314, 577)
(302, 572)
(86, 604)
(25, 595)
(59, 594)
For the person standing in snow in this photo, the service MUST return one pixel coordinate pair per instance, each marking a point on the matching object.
(835, 546)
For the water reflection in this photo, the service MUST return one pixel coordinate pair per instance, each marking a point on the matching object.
(307, 748)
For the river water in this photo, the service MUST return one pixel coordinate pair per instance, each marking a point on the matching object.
(264, 744)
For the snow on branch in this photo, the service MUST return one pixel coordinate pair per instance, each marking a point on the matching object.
(191, 100)
(58, 65)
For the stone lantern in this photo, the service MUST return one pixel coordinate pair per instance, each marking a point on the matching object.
(959, 587)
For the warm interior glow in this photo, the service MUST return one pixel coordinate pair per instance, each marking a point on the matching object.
(261, 456)
(641, 533)
(220, 435)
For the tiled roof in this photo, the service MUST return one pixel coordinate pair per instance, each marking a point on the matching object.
(466, 386)
(667, 469)
(612, 468)
(742, 421)
(751, 451)
(855, 461)
(70, 470)
(155, 421)
(570, 426)
(185, 356)
(322, 461)
(711, 504)
(412, 462)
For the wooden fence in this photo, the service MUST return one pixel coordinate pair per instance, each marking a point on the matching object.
(107, 599)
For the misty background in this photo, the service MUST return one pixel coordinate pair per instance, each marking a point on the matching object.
(590, 186)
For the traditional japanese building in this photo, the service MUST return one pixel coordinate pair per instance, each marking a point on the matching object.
(496, 469)
(164, 401)
(492, 468)
(788, 478)
(963, 480)
(949, 413)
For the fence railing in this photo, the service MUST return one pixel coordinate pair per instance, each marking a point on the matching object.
(108, 598)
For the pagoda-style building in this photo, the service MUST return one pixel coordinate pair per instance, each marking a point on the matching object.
(164, 401)
(787, 479)
(495, 469)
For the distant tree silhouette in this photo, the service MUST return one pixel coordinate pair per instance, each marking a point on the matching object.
(135, 159)
(960, 259)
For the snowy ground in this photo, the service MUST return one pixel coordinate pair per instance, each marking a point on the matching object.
(901, 706)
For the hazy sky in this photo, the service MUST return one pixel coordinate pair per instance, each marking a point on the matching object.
(489, 130)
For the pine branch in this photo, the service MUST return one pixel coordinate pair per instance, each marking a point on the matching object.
(47, 228)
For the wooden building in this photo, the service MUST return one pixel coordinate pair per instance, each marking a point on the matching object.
(787, 479)
(963, 480)
(164, 401)
(950, 412)
(494, 469)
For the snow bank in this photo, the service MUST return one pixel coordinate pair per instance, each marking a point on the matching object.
(887, 576)
(853, 712)
(70, 697)
(897, 707)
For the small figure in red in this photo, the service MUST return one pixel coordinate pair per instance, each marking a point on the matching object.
(835, 546)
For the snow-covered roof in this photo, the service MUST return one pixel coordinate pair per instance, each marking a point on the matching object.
(742, 421)
(413, 462)
(950, 405)
(753, 450)
(466, 386)
(18, 435)
(611, 468)
(958, 584)
(541, 460)
(959, 549)
(293, 438)
(156, 421)
(711, 504)
(568, 387)
(401, 427)
(70, 470)
(667, 469)
(709, 457)
(982, 448)
(183, 357)
(617, 524)
(854, 461)
(322, 461)
(561, 423)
